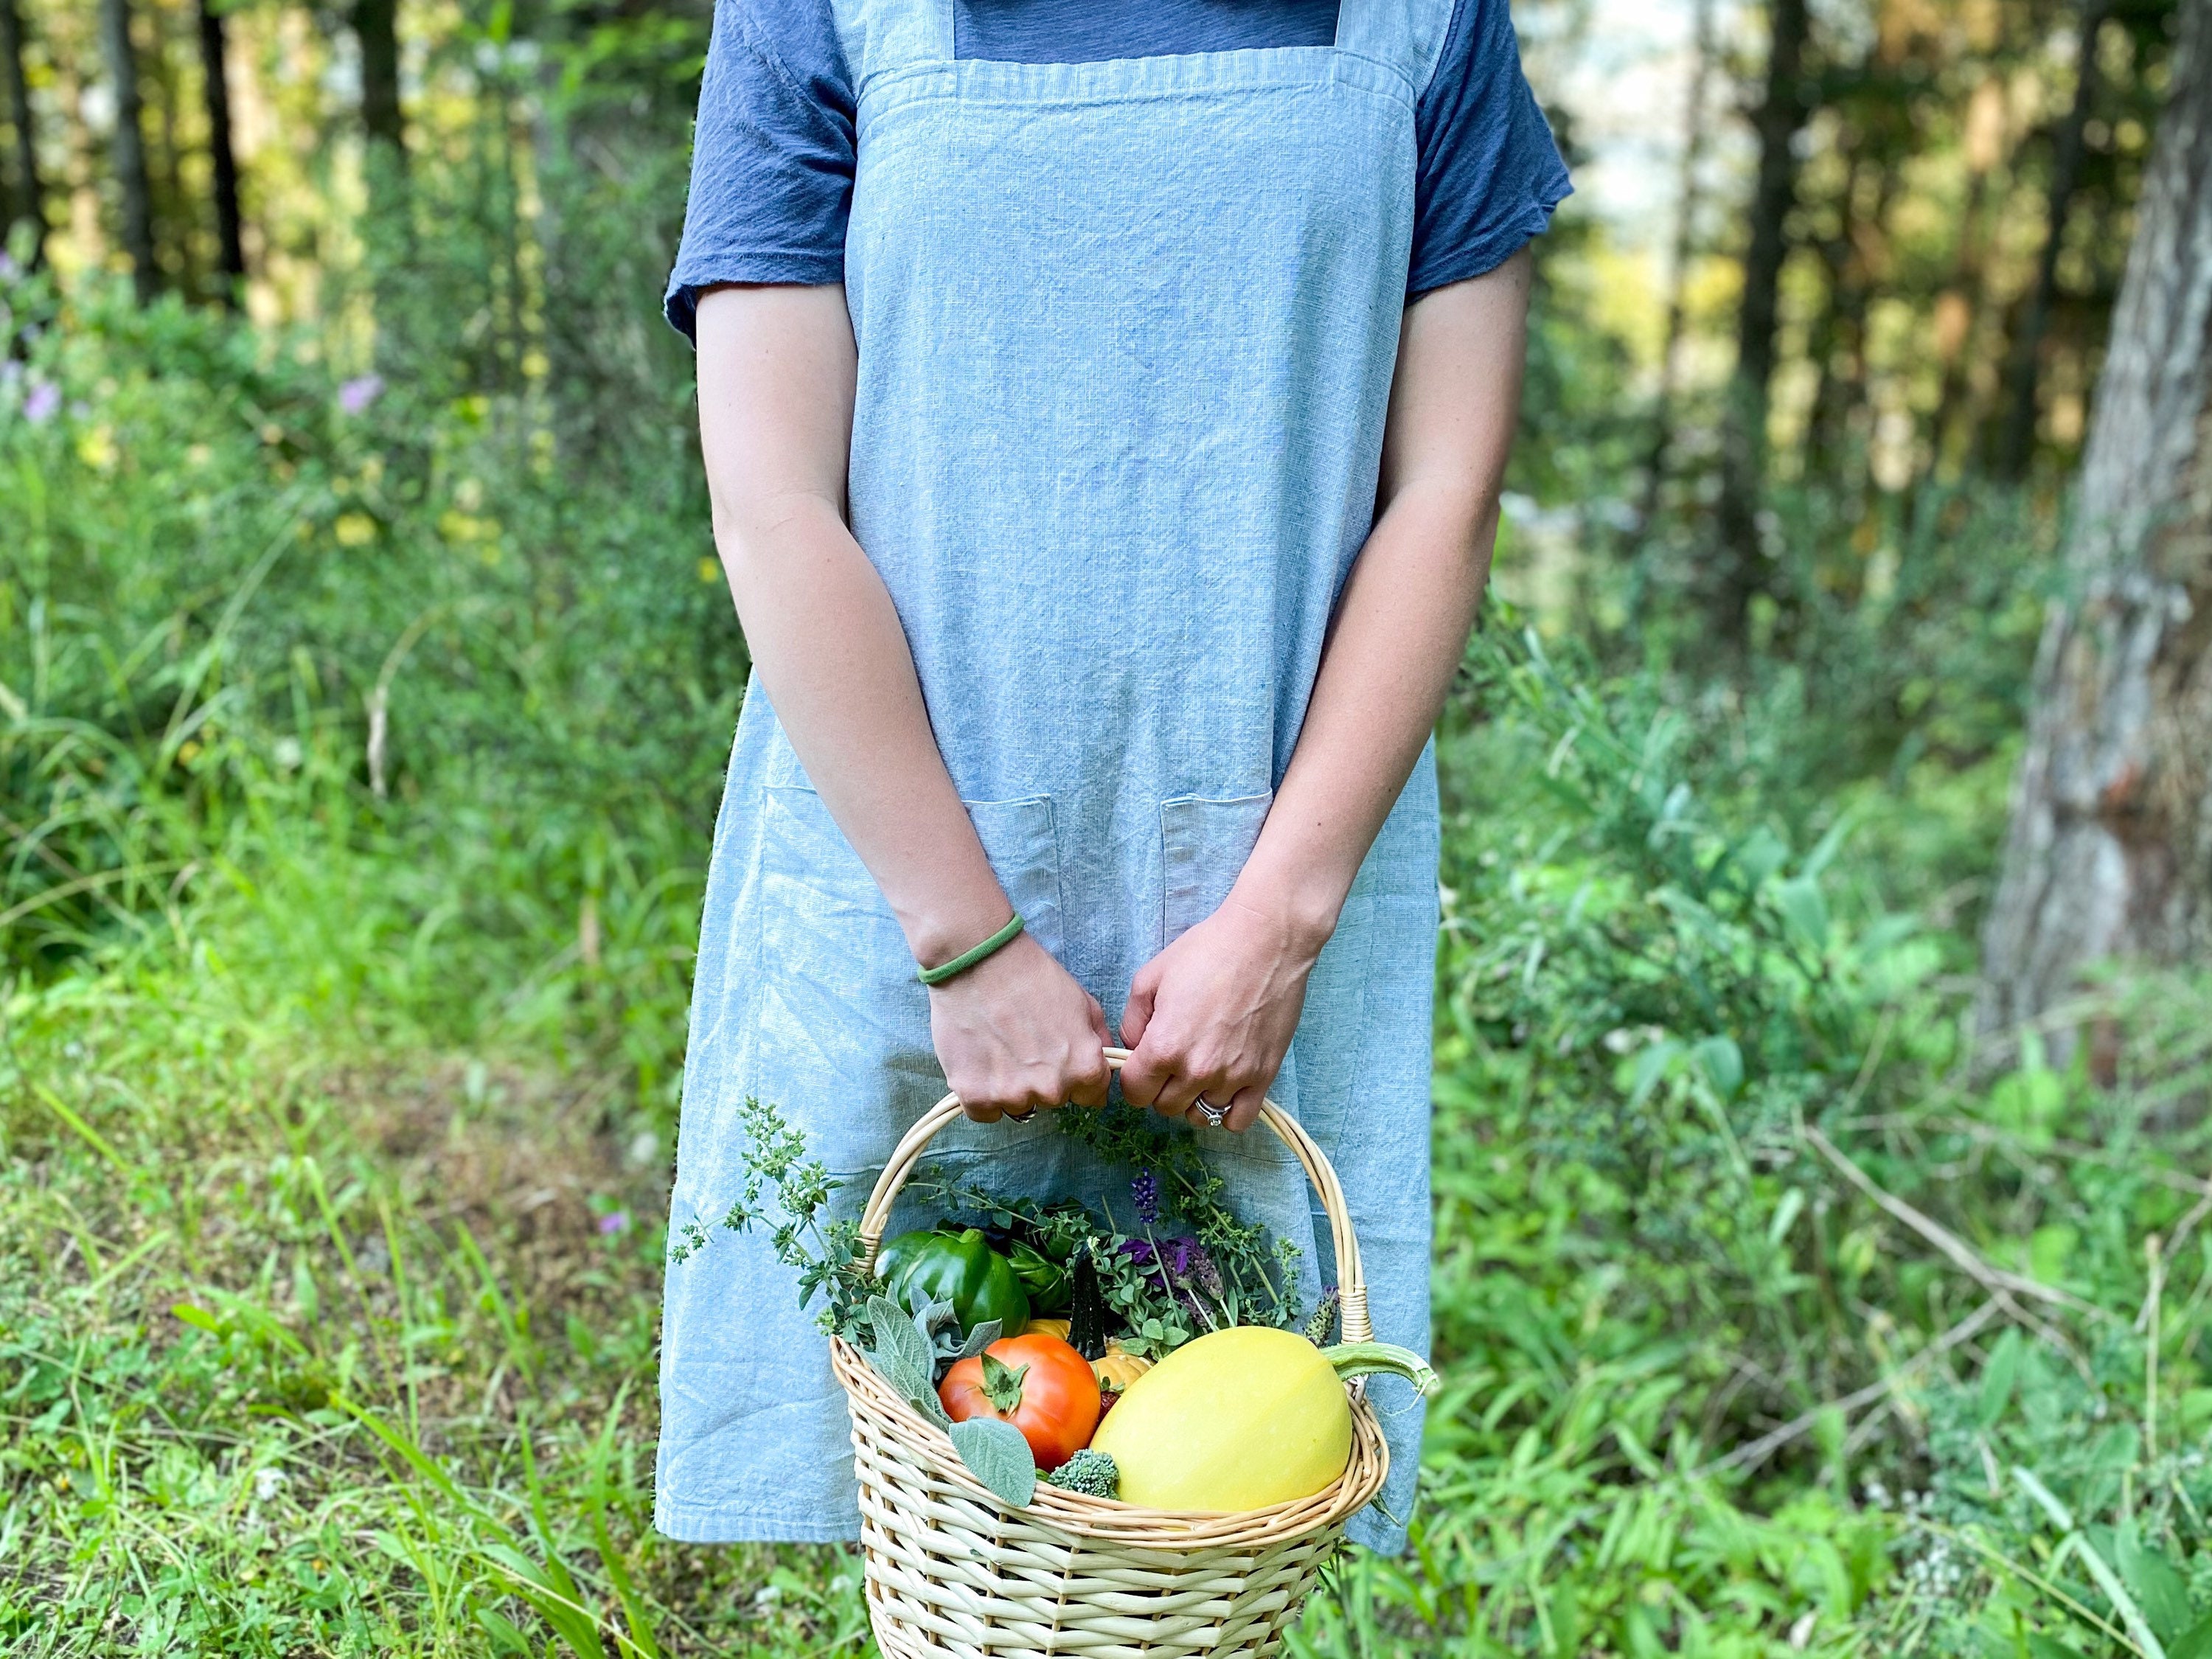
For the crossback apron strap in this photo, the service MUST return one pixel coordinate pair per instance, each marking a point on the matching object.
(881, 37)
(1408, 36)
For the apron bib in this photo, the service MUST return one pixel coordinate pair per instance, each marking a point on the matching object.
(1127, 331)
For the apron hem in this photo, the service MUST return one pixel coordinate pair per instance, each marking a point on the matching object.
(689, 1523)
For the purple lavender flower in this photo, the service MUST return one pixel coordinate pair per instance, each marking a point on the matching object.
(42, 403)
(1203, 1273)
(360, 393)
(1170, 1262)
(612, 1222)
(1146, 1190)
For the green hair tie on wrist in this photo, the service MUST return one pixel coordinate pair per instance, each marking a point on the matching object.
(968, 958)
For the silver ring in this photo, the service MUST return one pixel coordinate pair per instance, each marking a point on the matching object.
(1020, 1117)
(1215, 1116)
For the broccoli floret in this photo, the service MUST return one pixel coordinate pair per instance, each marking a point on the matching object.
(1092, 1472)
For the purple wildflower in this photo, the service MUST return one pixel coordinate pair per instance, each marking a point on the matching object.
(42, 403)
(360, 393)
(1203, 1273)
(1170, 1263)
(1146, 1190)
(10, 270)
(612, 1222)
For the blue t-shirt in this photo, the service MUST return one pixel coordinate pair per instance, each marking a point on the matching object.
(772, 157)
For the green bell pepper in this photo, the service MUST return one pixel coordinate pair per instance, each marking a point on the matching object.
(1049, 1283)
(962, 1268)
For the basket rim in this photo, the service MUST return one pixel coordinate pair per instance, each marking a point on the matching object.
(1344, 1237)
(1110, 1520)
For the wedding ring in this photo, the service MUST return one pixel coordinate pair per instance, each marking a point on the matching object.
(1021, 1117)
(1215, 1116)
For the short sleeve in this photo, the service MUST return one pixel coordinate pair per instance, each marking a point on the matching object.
(1489, 173)
(771, 155)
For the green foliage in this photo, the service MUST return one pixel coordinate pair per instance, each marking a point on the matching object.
(357, 755)
(1161, 1288)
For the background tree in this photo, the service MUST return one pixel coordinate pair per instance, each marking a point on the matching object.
(130, 145)
(2110, 851)
(222, 155)
(2017, 433)
(1695, 126)
(376, 28)
(26, 201)
(1777, 121)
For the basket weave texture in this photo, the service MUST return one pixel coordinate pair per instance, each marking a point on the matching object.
(953, 1571)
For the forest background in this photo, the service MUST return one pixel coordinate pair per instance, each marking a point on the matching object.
(1821, 1199)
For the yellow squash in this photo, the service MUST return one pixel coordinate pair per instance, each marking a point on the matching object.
(1241, 1418)
(1120, 1368)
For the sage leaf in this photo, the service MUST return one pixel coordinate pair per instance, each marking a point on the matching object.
(903, 1359)
(931, 1407)
(897, 1335)
(905, 1381)
(997, 1455)
(980, 1339)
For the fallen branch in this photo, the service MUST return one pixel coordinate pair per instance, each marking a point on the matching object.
(1759, 1450)
(1961, 1255)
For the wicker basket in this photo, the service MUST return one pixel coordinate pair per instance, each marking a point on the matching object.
(950, 1569)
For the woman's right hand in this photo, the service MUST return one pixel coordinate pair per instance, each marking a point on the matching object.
(1016, 1032)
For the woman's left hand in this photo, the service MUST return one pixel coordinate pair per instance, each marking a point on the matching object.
(1213, 1015)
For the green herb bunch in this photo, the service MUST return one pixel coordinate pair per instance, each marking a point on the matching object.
(825, 1250)
(1189, 1266)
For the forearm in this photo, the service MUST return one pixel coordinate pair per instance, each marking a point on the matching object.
(828, 646)
(1402, 623)
(775, 393)
(1401, 629)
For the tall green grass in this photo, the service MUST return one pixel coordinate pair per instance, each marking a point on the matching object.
(357, 761)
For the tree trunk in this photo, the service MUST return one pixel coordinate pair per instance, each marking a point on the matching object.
(130, 145)
(2016, 443)
(1678, 274)
(376, 26)
(1778, 121)
(2111, 849)
(30, 202)
(228, 222)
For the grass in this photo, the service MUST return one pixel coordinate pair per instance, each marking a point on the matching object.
(308, 1354)
(1775, 1315)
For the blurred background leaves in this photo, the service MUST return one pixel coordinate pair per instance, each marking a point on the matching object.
(365, 681)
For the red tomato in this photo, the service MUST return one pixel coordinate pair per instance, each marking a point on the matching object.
(1038, 1383)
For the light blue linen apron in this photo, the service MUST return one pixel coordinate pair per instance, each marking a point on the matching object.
(1127, 332)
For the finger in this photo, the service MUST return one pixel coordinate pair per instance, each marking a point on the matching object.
(1177, 1095)
(979, 1112)
(1244, 1109)
(1137, 1011)
(1143, 1076)
(1215, 1092)
(1089, 1084)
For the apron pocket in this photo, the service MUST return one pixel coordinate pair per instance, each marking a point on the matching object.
(842, 1040)
(1203, 844)
(1019, 839)
(806, 851)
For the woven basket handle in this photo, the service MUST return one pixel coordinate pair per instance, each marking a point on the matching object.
(1351, 1281)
